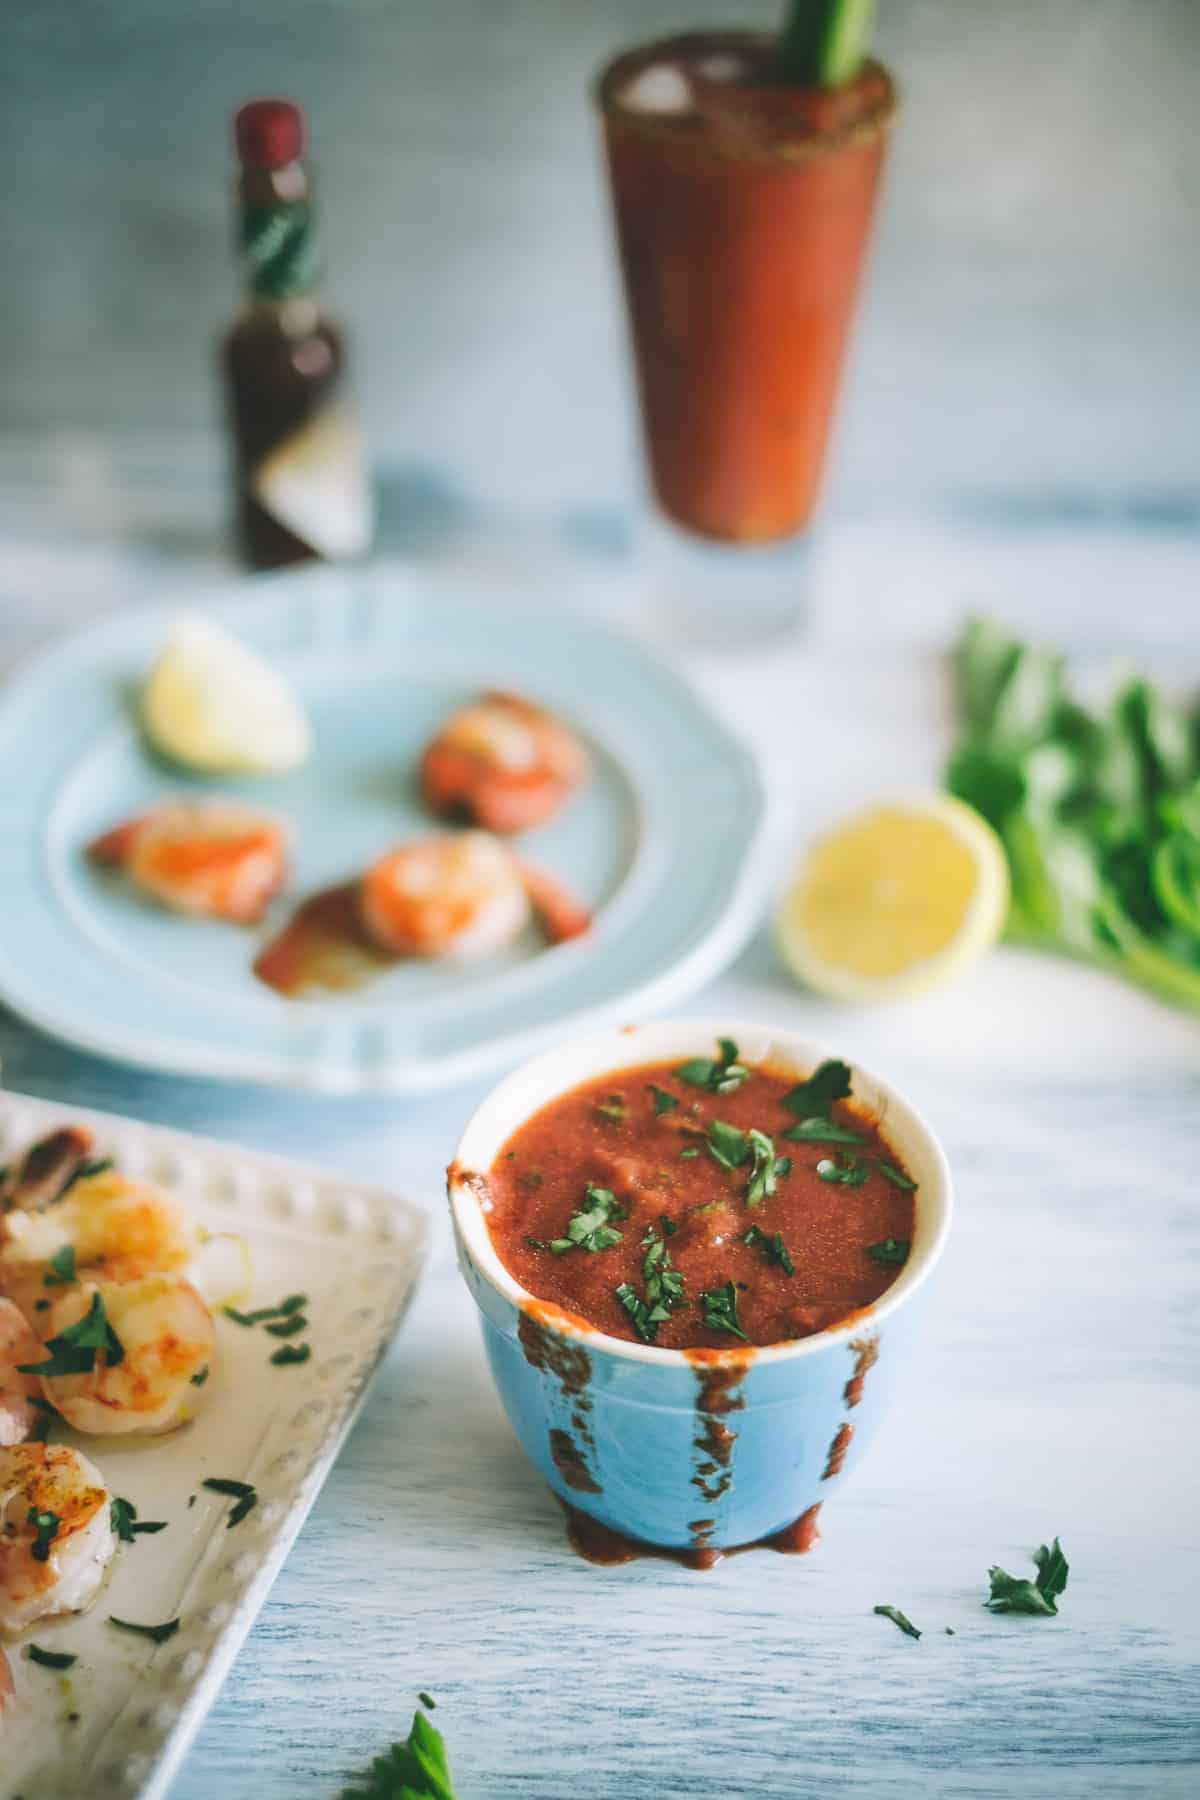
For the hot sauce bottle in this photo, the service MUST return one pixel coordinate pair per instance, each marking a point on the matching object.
(302, 489)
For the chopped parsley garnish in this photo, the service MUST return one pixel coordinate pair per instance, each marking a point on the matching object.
(613, 1107)
(773, 1248)
(829, 1082)
(414, 1770)
(896, 1176)
(720, 1077)
(75, 1350)
(898, 1618)
(200, 1377)
(728, 1146)
(50, 1659)
(61, 1272)
(764, 1176)
(158, 1634)
(122, 1514)
(663, 1101)
(291, 1353)
(851, 1172)
(664, 1290)
(720, 1310)
(45, 1526)
(1011, 1593)
(294, 1303)
(818, 1130)
(590, 1228)
(691, 1151)
(891, 1251)
(288, 1327)
(242, 1491)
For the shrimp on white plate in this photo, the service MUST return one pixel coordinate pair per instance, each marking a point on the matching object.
(107, 1227)
(20, 1395)
(129, 1357)
(460, 897)
(502, 763)
(56, 1537)
(217, 858)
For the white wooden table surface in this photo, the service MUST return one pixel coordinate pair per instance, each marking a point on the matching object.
(1055, 1390)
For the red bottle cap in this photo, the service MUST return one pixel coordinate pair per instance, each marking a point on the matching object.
(269, 133)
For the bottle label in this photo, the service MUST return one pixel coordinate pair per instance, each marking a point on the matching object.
(280, 248)
(315, 483)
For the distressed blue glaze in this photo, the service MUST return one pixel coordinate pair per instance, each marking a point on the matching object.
(629, 1436)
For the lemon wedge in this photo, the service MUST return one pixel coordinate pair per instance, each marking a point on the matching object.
(901, 897)
(213, 704)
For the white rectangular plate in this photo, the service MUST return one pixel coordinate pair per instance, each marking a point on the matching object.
(357, 1253)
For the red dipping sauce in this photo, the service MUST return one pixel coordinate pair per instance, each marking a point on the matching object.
(663, 1210)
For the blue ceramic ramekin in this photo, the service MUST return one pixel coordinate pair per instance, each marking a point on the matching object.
(698, 1451)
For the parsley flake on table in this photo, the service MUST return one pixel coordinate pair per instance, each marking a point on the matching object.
(1012, 1593)
(720, 1310)
(850, 1172)
(75, 1350)
(722, 1076)
(243, 1492)
(898, 1618)
(827, 1083)
(414, 1770)
(50, 1659)
(663, 1284)
(773, 1248)
(892, 1252)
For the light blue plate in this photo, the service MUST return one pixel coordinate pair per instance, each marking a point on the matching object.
(665, 842)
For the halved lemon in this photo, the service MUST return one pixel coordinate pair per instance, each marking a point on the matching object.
(901, 897)
(213, 704)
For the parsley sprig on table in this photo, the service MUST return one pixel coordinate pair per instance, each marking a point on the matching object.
(1013, 1593)
(720, 1076)
(898, 1618)
(414, 1770)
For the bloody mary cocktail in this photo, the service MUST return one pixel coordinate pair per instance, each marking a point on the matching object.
(743, 206)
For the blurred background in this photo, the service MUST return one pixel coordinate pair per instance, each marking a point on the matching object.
(1024, 357)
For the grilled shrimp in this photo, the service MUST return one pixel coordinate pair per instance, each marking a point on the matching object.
(115, 1230)
(206, 857)
(461, 897)
(444, 896)
(37, 1178)
(153, 1380)
(19, 1393)
(55, 1533)
(503, 764)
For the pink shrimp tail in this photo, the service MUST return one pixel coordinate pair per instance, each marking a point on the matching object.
(560, 915)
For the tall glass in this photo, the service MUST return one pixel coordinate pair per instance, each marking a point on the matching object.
(743, 208)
